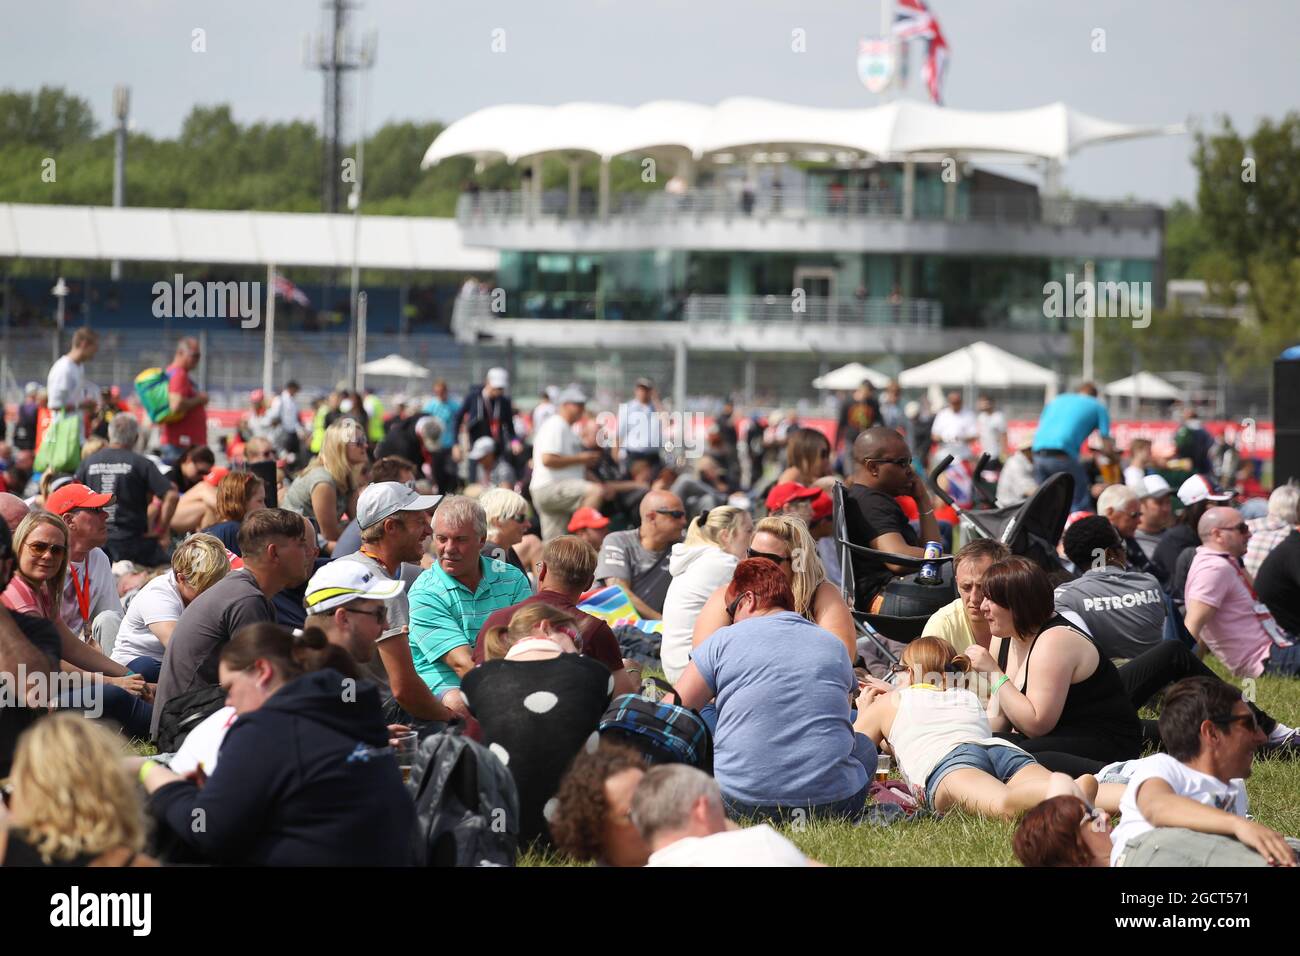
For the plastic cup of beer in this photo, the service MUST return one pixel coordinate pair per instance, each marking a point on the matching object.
(883, 765)
(404, 748)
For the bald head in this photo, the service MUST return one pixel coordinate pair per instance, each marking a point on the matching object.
(882, 461)
(1223, 529)
(660, 530)
(657, 501)
(1215, 519)
(12, 509)
(879, 443)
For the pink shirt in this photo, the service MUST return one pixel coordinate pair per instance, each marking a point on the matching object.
(22, 597)
(1235, 634)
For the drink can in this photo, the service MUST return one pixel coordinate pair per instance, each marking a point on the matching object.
(929, 573)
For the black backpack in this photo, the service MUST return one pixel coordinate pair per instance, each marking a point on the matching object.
(466, 803)
(184, 712)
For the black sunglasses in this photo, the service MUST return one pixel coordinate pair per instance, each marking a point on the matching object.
(678, 515)
(1247, 719)
(731, 608)
(774, 558)
(380, 614)
(900, 462)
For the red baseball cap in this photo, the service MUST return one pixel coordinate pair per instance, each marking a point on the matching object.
(822, 507)
(75, 496)
(789, 491)
(587, 518)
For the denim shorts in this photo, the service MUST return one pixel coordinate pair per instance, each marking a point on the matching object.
(994, 759)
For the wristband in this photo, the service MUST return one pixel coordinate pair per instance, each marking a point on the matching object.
(924, 513)
(145, 768)
(997, 685)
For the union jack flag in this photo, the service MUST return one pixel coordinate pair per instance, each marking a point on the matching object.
(285, 289)
(913, 20)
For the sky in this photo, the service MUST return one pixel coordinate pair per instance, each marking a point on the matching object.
(1164, 62)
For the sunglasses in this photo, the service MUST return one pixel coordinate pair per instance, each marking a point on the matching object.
(380, 615)
(1095, 815)
(899, 668)
(676, 515)
(1246, 719)
(900, 462)
(774, 558)
(41, 548)
(520, 518)
(734, 605)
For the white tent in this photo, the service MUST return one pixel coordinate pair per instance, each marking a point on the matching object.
(1144, 385)
(394, 366)
(513, 132)
(979, 365)
(846, 378)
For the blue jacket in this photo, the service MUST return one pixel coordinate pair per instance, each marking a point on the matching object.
(304, 780)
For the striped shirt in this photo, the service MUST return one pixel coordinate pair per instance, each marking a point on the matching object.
(445, 615)
(1265, 534)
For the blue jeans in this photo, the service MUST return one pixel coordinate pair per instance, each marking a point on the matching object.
(850, 808)
(999, 762)
(1046, 465)
(1283, 661)
(147, 667)
(132, 712)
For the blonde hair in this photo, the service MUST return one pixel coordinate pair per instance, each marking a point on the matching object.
(92, 445)
(935, 659)
(25, 527)
(498, 503)
(333, 455)
(498, 641)
(201, 560)
(76, 797)
(804, 560)
(708, 527)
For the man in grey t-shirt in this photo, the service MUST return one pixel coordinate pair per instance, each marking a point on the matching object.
(1122, 609)
(637, 560)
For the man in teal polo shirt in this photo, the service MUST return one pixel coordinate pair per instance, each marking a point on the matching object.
(450, 601)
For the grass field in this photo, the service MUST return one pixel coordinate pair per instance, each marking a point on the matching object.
(962, 840)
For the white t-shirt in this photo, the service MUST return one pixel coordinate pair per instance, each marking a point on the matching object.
(993, 432)
(556, 437)
(66, 384)
(202, 743)
(753, 846)
(951, 427)
(1186, 782)
(103, 590)
(157, 602)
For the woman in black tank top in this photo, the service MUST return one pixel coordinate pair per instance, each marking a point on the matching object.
(1096, 723)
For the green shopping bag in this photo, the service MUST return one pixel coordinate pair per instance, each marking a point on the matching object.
(60, 449)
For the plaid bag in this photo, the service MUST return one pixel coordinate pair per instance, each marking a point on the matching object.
(664, 733)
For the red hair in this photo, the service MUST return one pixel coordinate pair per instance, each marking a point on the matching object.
(763, 579)
(1049, 835)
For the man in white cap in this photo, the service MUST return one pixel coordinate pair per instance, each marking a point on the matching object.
(394, 523)
(488, 411)
(1156, 513)
(349, 602)
(488, 468)
(559, 484)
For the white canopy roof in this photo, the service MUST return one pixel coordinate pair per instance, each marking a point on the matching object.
(395, 366)
(980, 365)
(1144, 385)
(235, 238)
(848, 377)
(513, 132)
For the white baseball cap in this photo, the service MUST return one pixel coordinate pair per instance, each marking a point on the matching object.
(1155, 486)
(1197, 488)
(342, 581)
(483, 445)
(380, 499)
(498, 378)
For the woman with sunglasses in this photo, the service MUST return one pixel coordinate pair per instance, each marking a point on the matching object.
(327, 489)
(306, 777)
(507, 528)
(787, 543)
(1063, 831)
(539, 703)
(938, 731)
(42, 549)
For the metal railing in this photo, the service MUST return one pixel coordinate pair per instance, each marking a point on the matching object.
(711, 202)
(476, 309)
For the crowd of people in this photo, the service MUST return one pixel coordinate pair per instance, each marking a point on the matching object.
(284, 627)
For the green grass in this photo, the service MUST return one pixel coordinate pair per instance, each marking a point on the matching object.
(959, 839)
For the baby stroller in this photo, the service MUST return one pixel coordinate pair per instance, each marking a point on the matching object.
(1030, 529)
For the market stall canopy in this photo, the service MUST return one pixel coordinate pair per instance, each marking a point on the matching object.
(980, 365)
(1145, 385)
(749, 124)
(848, 377)
(394, 366)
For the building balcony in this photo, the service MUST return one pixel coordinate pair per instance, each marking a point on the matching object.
(812, 220)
